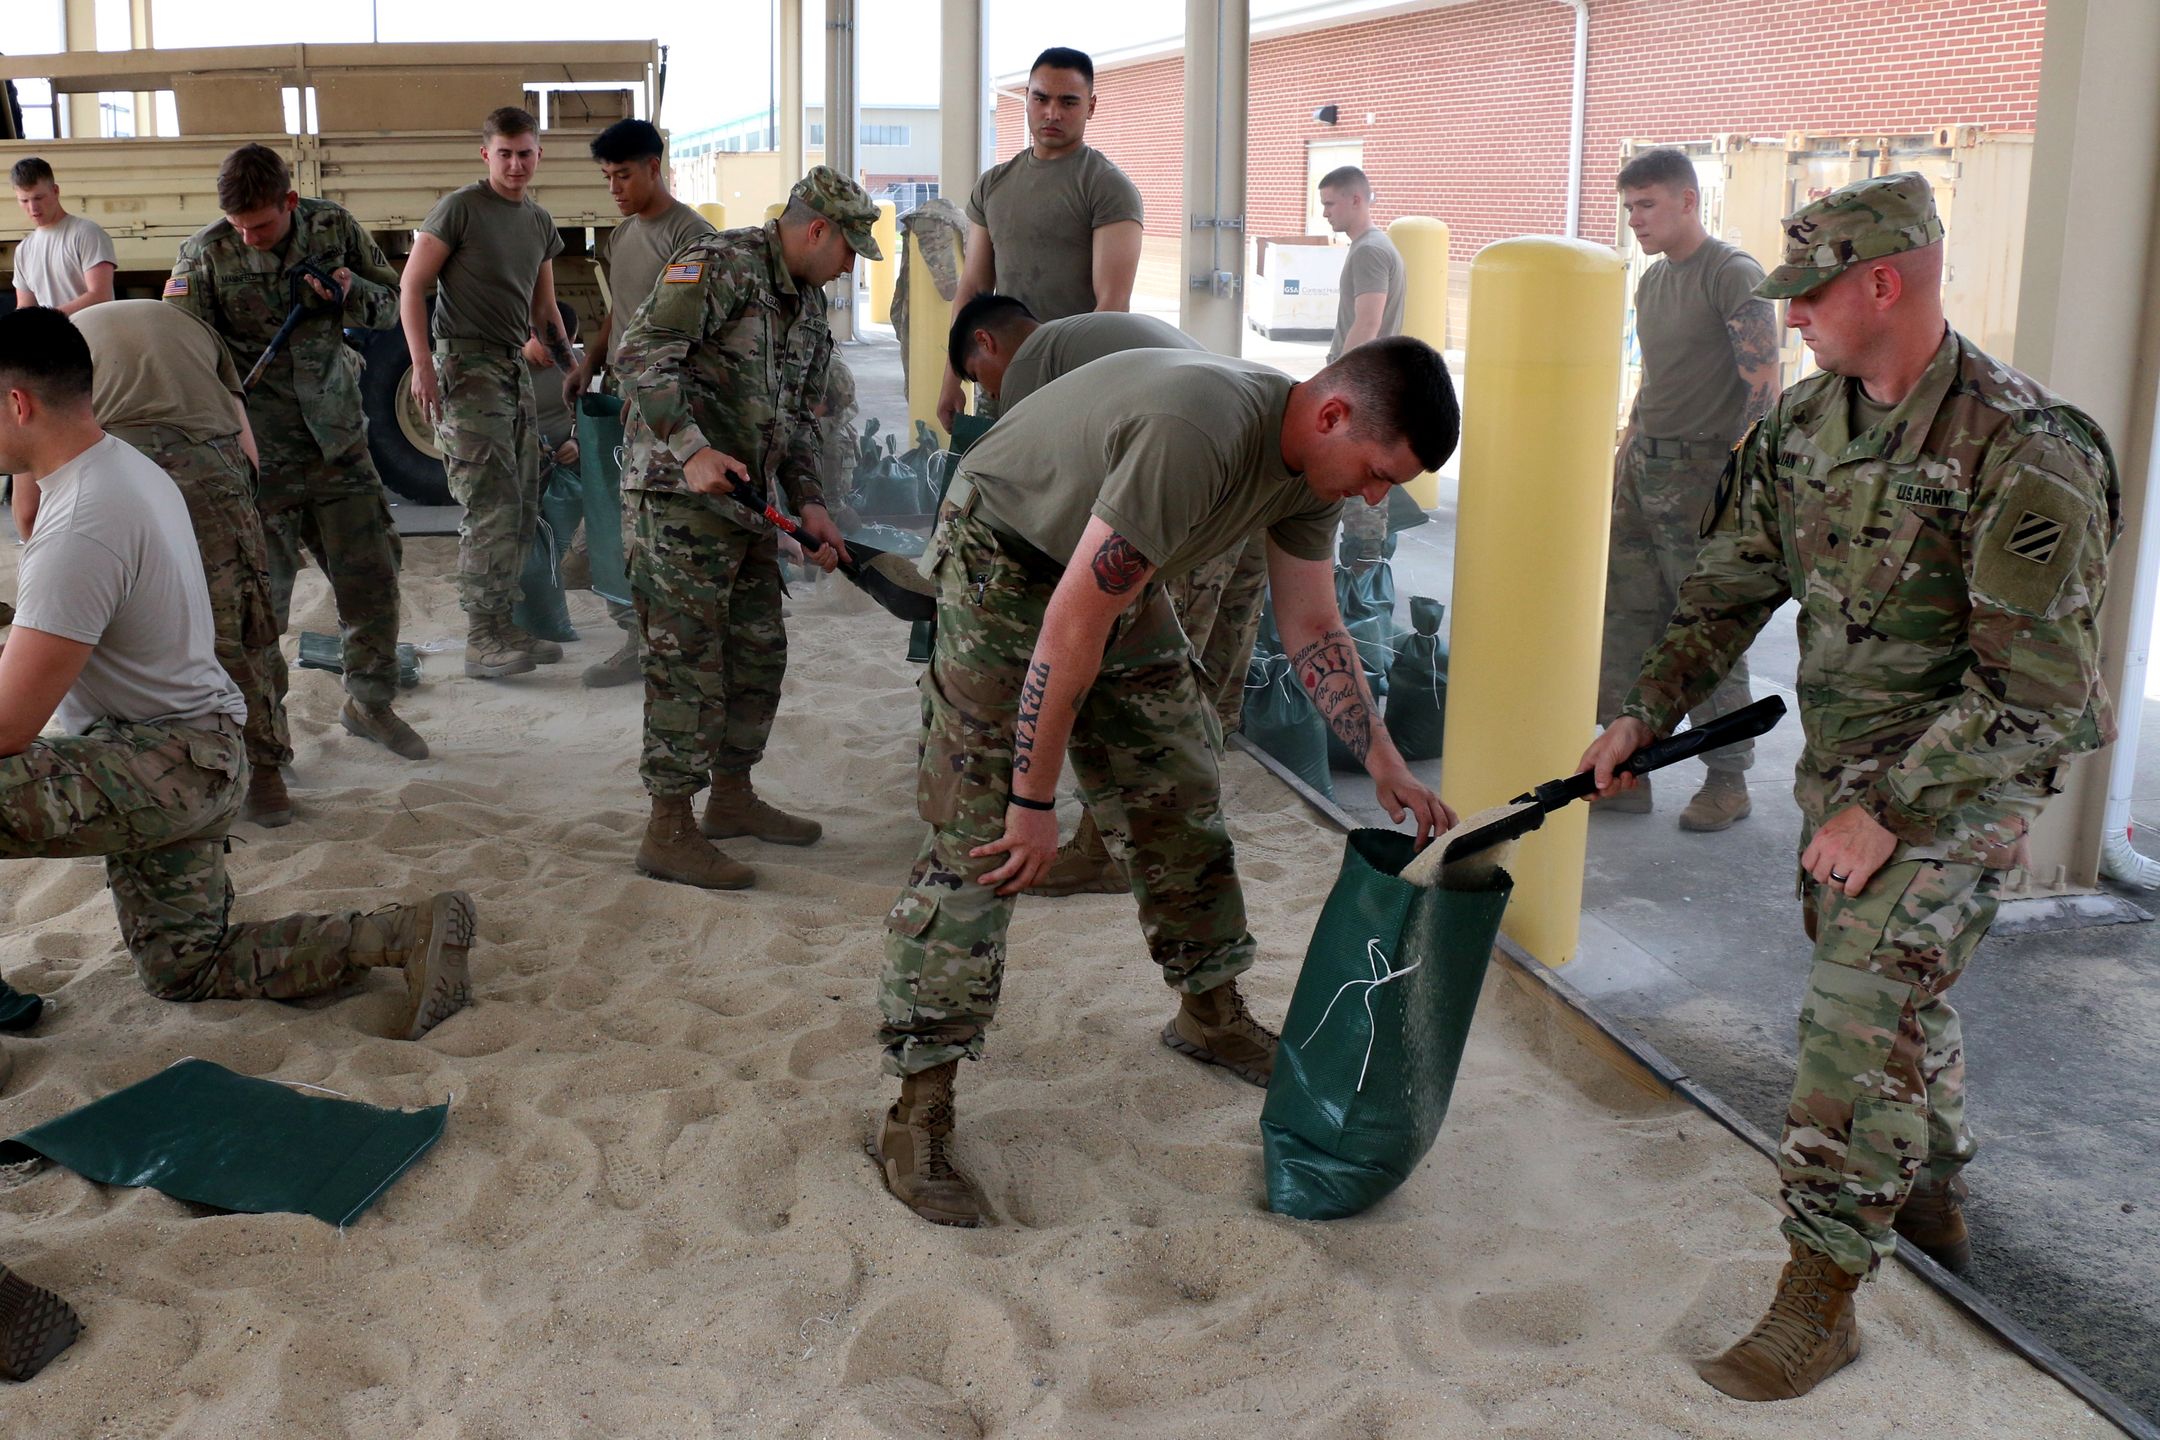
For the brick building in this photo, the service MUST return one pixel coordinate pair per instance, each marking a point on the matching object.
(1461, 108)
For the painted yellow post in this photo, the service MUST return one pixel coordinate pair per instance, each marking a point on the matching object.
(715, 214)
(1423, 243)
(772, 211)
(929, 318)
(1542, 387)
(886, 272)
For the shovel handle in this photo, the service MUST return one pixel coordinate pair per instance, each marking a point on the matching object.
(1745, 723)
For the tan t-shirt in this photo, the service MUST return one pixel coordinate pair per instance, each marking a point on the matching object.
(1373, 265)
(156, 364)
(1042, 216)
(1691, 386)
(53, 262)
(632, 256)
(497, 247)
(1179, 451)
(1065, 345)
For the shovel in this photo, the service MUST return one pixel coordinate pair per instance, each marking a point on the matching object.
(1467, 854)
(891, 580)
(299, 311)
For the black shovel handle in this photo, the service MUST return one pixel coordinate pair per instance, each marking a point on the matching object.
(1745, 723)
(293, 318)
(904, 604)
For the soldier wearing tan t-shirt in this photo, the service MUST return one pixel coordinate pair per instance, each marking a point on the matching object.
(1058, 225)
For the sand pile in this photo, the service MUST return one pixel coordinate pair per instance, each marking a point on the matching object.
(652, 1214)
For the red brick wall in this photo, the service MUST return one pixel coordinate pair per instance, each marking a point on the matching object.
(1470, 103)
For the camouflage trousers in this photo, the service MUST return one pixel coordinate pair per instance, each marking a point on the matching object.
(1364, 531)
(490, 439)
(329, 506)
(1145, 755)
(1658, 504)
(711, 639)
(155, 800)
(1219, 606)
(215, 479)
(1878, 1101)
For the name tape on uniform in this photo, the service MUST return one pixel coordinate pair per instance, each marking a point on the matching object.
(1940, 497)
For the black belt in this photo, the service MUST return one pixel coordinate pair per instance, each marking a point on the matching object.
(1035, 561)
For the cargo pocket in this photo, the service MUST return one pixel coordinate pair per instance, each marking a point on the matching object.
(1883, 567)
(1884, 1154)
(911, 915)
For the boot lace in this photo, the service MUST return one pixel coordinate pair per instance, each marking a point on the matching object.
(1793, 1330)
(936, 1121)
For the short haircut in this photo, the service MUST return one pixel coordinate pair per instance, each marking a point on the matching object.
(1346, 177)
(30, 172)
(1399, 386)
(987, 311)
(252, 177)
(42, 352)
(1662, 166)
(628, 140)
(1064, 57)
(509, 120)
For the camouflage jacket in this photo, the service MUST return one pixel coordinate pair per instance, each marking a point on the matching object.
(1949, 566)
(313, 387)
(728, 352)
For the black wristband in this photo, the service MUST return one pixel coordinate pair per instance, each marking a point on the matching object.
(1026, 804)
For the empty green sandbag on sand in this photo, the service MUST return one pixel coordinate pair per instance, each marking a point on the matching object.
(326, 652)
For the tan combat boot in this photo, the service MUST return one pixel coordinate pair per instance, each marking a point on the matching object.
(35, 1325)
(674, 850)
(268, 803)
(1215, 1028)
(431, 943)
(913, 1147)
(621, 668)
(382, 725)
(490, 652)
(1808, 1335)
(1722, 800)
(1627, 802)
(543, 652)
(734, 809)
(1933, 1218)
(1083, 866)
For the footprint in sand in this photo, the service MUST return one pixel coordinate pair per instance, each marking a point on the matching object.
(1531, 1318)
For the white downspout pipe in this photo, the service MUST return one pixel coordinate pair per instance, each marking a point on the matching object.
(2119, 860)
(1575, 124)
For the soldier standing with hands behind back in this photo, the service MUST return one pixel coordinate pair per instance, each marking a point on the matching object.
(1943, 523)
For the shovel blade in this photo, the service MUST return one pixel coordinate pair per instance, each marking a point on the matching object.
(873, 574)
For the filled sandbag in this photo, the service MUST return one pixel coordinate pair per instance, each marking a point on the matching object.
(1417, 684)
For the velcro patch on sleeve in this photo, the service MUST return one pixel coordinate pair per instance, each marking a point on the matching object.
(176, 286)
(2034, 537)
(2032, 544)
(687, 273)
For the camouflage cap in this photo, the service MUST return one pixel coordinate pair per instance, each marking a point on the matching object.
(1865, 220)
(843, 202)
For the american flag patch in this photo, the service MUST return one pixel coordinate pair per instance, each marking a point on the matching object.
(688, 273)
(176, 286)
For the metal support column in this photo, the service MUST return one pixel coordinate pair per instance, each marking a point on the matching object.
(1218, 44)
(78, 29)
(2092, 242)
(788, 88)
(139, 39)
(963, 100)
(843, 112)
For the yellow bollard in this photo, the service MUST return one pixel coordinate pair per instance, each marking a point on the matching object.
(1543, 385)
(772, 211)
(884, 273)
(929, 320)
(714, 212)
(1423, 242)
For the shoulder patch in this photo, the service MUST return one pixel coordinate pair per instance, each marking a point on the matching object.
(2034, 537)
(688, 272)
(2029, 551)
(176, 286)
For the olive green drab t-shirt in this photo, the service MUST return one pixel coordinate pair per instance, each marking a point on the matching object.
(1179, 451)
(1691, 385)
(156, 364)
(1373, 266)
(497, 247)
(1063, 346)
(632, 255)
(1042, 216)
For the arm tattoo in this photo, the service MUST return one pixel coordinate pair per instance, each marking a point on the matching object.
(1118, 566)
(1329, 670)
(558, 345)
(1033, 691)
(1755, 351)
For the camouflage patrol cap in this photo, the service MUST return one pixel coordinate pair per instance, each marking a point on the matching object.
(1865, 220)
(843, 202)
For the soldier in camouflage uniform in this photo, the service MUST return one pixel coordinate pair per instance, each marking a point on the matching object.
(114, 640)
(722, 367)
(1943, 523)
(318, 491)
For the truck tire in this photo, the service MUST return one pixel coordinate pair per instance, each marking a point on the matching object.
(401, 443)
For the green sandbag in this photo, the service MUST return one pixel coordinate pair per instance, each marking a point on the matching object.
(600, 439)
(1367, 602)
(19, 1010)
(541, 608)
(198, 1132)
(1367, 1060)
(1403, 513)
(326, 652)
(966, 430)
(1417, 685)
(1279, 718)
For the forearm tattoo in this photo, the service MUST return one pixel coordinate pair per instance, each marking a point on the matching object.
(1329, 670)
(1033, 691)
(1755, 351)
(1117, 566)
(558, 345)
